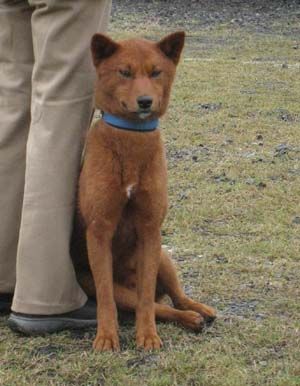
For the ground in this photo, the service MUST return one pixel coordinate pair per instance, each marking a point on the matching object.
(233, 145)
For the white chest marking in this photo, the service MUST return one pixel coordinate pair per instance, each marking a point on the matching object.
(129, 190)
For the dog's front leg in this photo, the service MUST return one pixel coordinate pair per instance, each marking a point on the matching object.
(148, 258)
(100, 258)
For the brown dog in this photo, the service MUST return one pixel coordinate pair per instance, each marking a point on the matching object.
(123, 192)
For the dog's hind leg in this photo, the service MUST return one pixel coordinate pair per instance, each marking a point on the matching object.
(168, 279)
(126, 299)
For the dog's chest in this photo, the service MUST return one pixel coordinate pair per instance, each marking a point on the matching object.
(129, 190)
(132, 172)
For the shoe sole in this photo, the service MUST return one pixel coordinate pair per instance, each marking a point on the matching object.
(44, 326)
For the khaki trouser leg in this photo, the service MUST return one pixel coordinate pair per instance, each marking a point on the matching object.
(16, 61)
(62, 88)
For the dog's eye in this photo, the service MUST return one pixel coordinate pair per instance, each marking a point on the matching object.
(155, 73)
(125, 73)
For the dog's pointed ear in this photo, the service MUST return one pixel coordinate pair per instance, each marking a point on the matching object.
(102, 47)
(172, 45)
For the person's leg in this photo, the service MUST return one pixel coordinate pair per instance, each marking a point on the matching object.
(16, 61)
(62, 94)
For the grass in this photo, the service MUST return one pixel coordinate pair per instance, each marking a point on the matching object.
(232, 137)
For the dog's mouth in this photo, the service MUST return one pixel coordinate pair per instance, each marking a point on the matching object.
(140, 113)
(143, 114)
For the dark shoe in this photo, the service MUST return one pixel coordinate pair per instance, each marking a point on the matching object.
(83, 317)
(5, 303)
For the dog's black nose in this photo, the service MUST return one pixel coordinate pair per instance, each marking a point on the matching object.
(144, 101)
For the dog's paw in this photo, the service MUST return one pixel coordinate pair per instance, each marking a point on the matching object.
(148, 341)
(106, 342)
(209, 314)
(192, 320)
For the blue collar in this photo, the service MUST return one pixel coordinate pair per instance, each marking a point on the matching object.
(124, 124)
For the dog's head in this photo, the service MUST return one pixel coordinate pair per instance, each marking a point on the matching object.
(134, 77)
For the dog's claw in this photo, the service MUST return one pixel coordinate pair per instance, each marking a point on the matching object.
(208, 313)
(149, 342)
(109, 342)
(210, 319)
